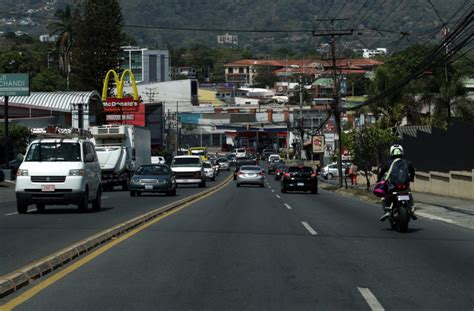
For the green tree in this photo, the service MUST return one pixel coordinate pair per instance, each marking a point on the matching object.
(18, 139)
(48, 80)
(98, 35)
(63, 27)
(265, 77)
(368, 147)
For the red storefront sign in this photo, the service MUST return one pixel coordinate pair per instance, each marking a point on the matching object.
(119, 105)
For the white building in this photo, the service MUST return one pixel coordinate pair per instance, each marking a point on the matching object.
(228, 39)
(366, 53)
(48, 38)
(147, 66)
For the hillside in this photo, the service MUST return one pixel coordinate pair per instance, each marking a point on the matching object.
(414, 16)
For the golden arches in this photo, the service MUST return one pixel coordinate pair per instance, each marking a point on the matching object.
(119, 82)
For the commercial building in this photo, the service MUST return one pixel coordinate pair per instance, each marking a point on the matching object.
(147, 66)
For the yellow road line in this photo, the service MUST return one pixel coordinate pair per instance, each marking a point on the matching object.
(81, 262)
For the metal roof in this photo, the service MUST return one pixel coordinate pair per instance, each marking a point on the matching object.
(57, 101)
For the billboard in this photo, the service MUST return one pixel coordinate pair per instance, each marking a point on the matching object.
(318, 144)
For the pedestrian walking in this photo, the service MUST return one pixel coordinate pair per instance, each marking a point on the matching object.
(353, 174)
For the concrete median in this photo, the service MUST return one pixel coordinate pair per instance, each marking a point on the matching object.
(11, 282)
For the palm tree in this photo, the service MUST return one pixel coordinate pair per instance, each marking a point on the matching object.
(452, 101)
(64, 28)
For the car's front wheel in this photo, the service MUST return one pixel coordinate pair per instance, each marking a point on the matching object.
(82, 206)
(97, 203)
(21, 207)
(40, 207)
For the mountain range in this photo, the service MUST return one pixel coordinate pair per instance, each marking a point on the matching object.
(269, 25)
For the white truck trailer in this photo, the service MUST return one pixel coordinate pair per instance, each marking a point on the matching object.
(121, 149)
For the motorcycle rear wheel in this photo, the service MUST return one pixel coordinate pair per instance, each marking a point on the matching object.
(403, 218)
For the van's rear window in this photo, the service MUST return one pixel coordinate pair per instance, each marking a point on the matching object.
(54, 152)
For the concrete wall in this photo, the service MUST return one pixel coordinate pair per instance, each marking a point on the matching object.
(458, 184)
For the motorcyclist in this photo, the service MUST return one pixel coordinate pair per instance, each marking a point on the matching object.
(396, 154)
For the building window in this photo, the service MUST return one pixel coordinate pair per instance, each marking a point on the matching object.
(231, 70)
(241, 70)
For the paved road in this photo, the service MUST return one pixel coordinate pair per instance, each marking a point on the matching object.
(26, 238)
(257, 249)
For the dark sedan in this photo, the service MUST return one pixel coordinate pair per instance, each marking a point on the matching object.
(280, 171)
(153, 178)
(299, 178)
(273, 165)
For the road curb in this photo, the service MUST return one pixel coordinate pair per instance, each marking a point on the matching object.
(12, 282)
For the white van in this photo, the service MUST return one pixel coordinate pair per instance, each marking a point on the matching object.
(59, 171)
(273, 157)
(240, 153)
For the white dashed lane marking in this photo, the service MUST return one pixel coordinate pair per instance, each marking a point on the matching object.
(278, 197)
(308, 227)
(371, 300)
(287, 206)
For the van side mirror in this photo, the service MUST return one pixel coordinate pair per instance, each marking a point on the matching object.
(90, 158)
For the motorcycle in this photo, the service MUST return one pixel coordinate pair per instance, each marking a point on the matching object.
(400, 213)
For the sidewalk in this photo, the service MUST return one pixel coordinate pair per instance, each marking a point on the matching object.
(454, 204)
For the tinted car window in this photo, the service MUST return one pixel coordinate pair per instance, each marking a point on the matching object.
(152, 170)
(304, 169)
(186, 162)
(250, 168)
(52, 152)
(207, 165)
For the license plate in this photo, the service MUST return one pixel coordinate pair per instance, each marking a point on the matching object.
(403, 198)
(252, 175)
(47, 188)
(148, 187)
(300, 184)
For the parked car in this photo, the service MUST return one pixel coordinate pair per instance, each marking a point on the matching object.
(280, 171)
(299, 178)
(59, 171)
(331, 171)
(156, 178)
(250, 175)
(13, 166)
(209, 170)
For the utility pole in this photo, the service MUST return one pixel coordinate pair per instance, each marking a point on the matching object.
(6, 129)
(177, 129)
(301, 119)
(335, 104)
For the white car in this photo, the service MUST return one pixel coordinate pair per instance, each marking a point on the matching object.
(224, 164)
(209, 170)
(59, 171)
(189, 169)
(158, 160)
(240, 153)
(330, 171)
(273, 157)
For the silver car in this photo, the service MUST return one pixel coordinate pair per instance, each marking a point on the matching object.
(250, 175)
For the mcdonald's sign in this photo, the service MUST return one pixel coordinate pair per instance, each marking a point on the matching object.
(120, 103)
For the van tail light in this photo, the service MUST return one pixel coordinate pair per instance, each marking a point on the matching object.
(314, 175)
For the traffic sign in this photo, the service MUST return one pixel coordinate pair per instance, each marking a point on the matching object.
(14, 84)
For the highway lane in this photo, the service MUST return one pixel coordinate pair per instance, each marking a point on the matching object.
(26, 238)
(258, 249)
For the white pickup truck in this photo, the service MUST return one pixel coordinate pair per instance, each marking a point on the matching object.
(189, 169)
